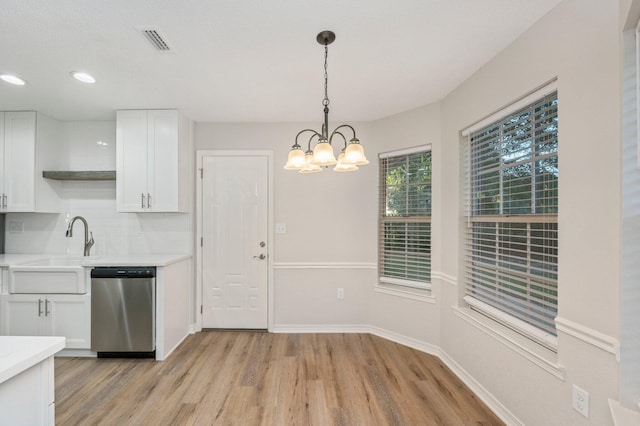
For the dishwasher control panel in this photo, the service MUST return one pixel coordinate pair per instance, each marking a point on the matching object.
(124, 272)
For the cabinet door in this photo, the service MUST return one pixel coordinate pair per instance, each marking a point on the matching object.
(70, 316)
(23, 315)
(163, 160)
(19, 160)
(131, 161)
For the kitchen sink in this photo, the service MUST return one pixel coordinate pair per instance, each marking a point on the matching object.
(50, 276)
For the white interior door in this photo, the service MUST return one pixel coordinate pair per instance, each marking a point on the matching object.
(234, 246)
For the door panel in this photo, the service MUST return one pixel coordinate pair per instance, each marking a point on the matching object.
(70, 316)
(235, 212)
(163, 165)
(24, 315)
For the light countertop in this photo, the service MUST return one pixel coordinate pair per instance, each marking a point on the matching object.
(18, 353)
(16, 259)
(7, 260)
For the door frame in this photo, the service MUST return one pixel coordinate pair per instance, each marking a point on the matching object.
(200, 154)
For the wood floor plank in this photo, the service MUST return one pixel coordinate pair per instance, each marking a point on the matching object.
(257, 378)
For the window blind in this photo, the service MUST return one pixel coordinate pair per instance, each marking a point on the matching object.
(511, 242)
(404, 231)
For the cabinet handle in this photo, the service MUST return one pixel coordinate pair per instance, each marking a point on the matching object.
(46, 308)
(148, 201)
(142, 200)
(39, 307)
(4, 201)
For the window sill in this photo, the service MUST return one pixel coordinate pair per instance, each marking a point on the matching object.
(540, 356)
(419, 294)
(541, 337)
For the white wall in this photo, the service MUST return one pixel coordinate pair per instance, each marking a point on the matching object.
(415, 322)
(114, 233)
(331, 227)
(579, 44)
(331, 222)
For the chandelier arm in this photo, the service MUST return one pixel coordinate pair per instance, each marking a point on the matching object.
(310, 139)
(338, 133)
(344, 125)
(296, 145)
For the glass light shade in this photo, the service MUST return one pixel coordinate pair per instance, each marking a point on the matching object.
(344, 167)
(309, 167)
(323, 154)
(354, 154)
(296, 159)
(12, 79)
(83, 77)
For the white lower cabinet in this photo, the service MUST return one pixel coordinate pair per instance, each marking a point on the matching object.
(28, 398)
(67, 315)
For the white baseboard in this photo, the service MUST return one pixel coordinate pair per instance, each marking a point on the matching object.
(170, 351)
(406, 341)
(491, 401)
(82, 353)
(320, 328)
(487, 397)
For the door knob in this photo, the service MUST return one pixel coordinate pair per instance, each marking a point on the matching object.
(261, 257)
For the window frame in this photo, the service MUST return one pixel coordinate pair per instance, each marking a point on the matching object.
(540, 330)
(408, 220)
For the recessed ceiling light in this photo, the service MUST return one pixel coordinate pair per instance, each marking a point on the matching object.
(83, 77)
(12, 79)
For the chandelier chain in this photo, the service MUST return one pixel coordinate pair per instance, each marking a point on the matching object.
(325, 101)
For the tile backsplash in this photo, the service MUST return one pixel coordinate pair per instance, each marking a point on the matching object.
(114, 233)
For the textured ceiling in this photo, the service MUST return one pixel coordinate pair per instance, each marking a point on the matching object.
(250, 60)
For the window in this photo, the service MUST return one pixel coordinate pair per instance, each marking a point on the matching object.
(404, 230)
(511, 247)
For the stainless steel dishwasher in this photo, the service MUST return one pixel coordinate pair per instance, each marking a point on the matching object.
(123, 311)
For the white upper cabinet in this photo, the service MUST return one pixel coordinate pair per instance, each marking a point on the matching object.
(153, 166)
(29, 145)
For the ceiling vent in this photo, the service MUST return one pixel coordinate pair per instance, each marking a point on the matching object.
(153, 36)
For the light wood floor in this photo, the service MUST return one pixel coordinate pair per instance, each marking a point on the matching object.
(258, 378)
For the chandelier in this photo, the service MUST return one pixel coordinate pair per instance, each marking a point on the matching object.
(313, 160)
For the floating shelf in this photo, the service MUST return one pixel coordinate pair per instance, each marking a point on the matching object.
(80, 175)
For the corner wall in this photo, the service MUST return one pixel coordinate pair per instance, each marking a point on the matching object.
(579, 43)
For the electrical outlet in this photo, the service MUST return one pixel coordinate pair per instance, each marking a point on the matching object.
(340, 293)
(581, 401)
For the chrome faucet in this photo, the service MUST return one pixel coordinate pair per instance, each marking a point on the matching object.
(88, 242)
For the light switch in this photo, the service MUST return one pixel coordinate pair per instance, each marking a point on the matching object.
(281, 228)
